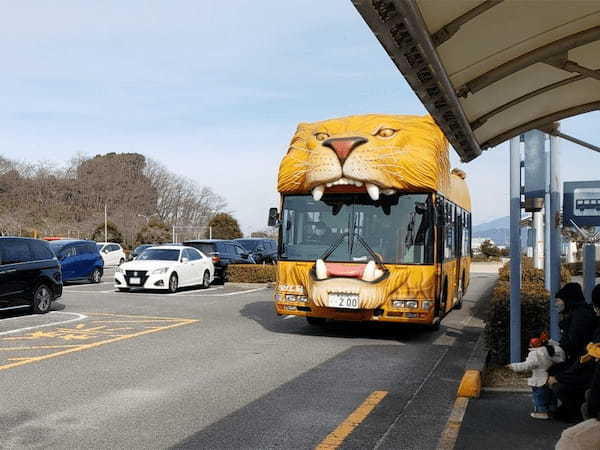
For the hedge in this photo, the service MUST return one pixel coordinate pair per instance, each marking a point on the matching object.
(534, 310)
(534, 318)
(251, 273)
(576, 268)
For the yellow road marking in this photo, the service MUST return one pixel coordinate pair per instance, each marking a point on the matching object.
(337, 436)
(96, 344)
(135, 317)
(37, 347)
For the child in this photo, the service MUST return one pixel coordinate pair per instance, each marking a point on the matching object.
(539, 359)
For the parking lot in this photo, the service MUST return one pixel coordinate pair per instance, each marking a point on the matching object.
(216, 368)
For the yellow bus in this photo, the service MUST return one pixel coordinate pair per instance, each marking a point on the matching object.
(373, 224)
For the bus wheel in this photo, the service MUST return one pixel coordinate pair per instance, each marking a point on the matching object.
(315, 321)
(435, 325)
(459, 295)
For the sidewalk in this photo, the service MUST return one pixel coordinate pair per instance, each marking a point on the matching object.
(500, 420)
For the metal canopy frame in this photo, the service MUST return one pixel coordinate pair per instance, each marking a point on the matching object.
(417, 37)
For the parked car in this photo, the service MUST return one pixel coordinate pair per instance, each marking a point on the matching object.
(166, 267)
(79, 260)
(139, 249)
(30, 275)
(223, 253)
(262, 250)
(112, 253)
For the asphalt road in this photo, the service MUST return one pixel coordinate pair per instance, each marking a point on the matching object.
(218, 369)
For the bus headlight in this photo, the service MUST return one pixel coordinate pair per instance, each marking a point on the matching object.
(405, 304)
(427, 304)
(296, 298)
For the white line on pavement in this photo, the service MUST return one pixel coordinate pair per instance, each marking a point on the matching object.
(241, 292)
(289, 317)
(79, 317)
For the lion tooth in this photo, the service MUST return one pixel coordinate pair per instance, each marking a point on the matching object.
(320, 269)
(358, 183)
(378, 274)
(329, 184)
(317, 192)
(388, 191)
(373, 191)
(369, 273)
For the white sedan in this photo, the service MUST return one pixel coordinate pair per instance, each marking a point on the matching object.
(166, 267)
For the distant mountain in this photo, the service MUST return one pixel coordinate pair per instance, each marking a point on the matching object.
(498, 230)
(501, 222)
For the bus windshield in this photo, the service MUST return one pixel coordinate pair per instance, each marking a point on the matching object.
(398, 228)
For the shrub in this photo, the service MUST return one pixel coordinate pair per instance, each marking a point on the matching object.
(534, 318)
(531, 274)
(576, 268)
(251, 273)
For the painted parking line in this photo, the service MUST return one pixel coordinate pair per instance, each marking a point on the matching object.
(77, 318)
(337, 436)
(30, 345)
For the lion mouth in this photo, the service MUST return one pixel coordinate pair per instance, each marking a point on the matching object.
(373, 189)
(365, 272)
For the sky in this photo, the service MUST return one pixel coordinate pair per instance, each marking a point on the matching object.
(213, 90)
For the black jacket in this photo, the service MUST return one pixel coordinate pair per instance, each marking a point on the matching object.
(577, 330)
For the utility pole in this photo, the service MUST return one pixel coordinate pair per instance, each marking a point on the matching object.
(515, 250)
(105, 224)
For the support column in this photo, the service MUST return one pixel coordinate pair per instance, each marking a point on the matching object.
(589, 270)
(515, 250)
(538, 245)
(555, 236)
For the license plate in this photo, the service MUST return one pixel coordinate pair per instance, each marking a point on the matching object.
(135, 280)
(341, 300)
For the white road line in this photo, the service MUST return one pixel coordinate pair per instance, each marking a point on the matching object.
(241, 292)
(291, 316)
(79, 317)
(86, 285)
(187, 293)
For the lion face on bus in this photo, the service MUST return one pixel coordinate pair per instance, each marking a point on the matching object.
(371, 152)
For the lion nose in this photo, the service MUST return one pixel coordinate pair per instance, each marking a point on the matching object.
(344, 146)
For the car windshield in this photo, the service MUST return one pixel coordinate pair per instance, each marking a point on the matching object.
(159, 254)
(250, 244)
(141, 248)
(397, 228)
(56, 246)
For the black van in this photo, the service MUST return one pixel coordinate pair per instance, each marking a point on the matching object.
(262, 250)
(30, 275)
(223, 253)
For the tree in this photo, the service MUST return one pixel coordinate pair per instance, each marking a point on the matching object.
(114, 235)
(224, 226)
(489, 249)
(154, 232)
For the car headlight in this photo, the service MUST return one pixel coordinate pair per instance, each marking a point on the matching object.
(119, 270)
(159, 271)
(427, 304)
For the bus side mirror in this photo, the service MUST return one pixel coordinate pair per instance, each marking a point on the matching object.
(273, 217)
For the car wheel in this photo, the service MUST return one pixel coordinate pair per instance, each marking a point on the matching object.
(123, 289)
(206, 280)
(96, 276)
(42, 299)
(173, 283)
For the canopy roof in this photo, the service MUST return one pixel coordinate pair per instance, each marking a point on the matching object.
(491, 70)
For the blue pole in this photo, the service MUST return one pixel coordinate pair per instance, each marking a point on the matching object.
(515, 250)
(589, 270)
(555, 236)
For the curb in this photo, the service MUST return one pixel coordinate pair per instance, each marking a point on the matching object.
(470, 387)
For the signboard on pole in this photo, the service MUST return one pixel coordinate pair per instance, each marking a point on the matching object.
(581, 203)
(535, 170)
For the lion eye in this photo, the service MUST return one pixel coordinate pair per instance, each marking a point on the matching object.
(321, 136)
(386, 132)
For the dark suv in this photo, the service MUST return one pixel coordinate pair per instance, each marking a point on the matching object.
(30, 275)
(262, 250)
(222, 253)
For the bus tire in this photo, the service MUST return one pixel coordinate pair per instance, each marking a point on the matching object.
(315, 321)
(460, 293)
